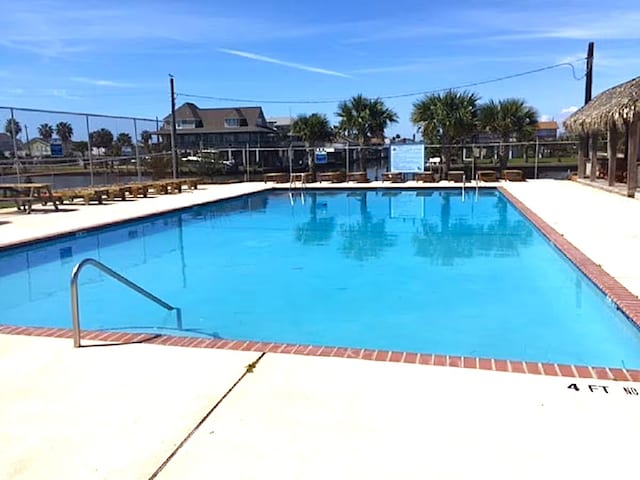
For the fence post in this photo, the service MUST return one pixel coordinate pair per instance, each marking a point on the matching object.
(16, 162)
(89, 149)
(135, 145)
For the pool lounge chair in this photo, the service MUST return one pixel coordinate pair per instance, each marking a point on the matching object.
(513, 175)
(487, 176)
(393, 177)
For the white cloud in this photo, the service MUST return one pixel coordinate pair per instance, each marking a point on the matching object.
(62, 93)
(570, 109)
(545, 118)
(299, 66)
(101, 83)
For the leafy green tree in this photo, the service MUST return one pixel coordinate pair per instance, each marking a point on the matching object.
(102, 138)
(17, 128)
(364, 119)
(510, 119)
(446, 119)
(315, 130)
(46, 132)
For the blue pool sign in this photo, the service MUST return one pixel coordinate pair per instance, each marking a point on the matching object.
(56, 149)
(407, 158)
(321, 156)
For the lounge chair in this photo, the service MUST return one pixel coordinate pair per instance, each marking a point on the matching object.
(358, 177)
(333, 177)
(513, 175)
(426, 177)
(393, 177)
(487, 176)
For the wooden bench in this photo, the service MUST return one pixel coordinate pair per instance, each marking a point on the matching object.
(513, 175)
(426, 177)
(118, 191)
(456, 176)
(276, 177)
(393, 177)
(333, 177)
(358, 177)
(487, 176)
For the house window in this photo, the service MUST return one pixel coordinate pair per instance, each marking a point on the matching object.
(185, 123)
(235, 122)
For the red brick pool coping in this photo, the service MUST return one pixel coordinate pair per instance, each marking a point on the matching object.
(514, 366)
(626, 301)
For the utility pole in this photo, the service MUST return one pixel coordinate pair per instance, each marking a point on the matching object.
(589, 74)
(583, 150)
(174, 158)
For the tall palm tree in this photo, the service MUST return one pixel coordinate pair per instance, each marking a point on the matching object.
(364, 119)
(46, 132)
(511, 119)
(64, 130)
(124, 139)
(16, 129)
(145, 136)
(446, 119)
(102, 138)
(314, 130)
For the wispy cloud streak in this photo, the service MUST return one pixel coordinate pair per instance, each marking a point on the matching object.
(101, 83)
(299, 66)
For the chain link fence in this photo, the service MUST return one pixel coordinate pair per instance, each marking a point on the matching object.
(68, 149)
(548, 159)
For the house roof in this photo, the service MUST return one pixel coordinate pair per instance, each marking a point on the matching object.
(550, 125)
(213, 119)
(616, 106)
(37, 140)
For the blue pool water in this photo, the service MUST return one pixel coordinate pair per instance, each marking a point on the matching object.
(417, 271)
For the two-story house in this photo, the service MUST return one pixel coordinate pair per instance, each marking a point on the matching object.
(547, 130)
(38, 148)
(230, 130)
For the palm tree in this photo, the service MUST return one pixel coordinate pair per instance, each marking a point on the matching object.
(314, 130)
(145, 136)
(364, 118)
(64, 130)
(16, 129)
(446, 119)
(46, 132)
(124, 139)
(510, 119)
(102, 138)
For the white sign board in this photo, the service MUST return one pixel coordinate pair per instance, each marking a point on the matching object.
(407, 158)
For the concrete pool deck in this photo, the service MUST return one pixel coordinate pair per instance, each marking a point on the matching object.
(120, 411)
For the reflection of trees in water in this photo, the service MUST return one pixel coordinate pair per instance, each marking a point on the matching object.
(448, 241)
(367, 238)
(318, 230)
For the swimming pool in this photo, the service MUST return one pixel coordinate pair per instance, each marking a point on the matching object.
(416, 271)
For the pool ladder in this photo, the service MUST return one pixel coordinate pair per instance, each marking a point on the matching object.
(75, 310)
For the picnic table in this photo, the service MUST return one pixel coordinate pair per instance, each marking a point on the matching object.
(24, 194)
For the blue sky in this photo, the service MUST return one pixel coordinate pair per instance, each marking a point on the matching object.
(115, 57)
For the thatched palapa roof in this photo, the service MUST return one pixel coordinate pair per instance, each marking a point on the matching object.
(618, 107)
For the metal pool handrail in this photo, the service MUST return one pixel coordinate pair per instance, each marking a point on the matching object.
(75, 311)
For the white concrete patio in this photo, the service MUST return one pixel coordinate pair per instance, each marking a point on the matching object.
(120, 411)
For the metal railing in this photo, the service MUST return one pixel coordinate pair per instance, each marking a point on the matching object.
(75, 311)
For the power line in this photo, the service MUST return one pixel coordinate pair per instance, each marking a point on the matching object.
(401, 95)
